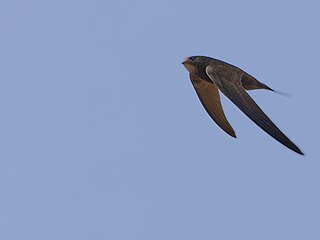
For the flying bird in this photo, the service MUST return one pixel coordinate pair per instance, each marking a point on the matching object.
(209, 75)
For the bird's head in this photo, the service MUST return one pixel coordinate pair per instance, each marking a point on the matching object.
(196, 64)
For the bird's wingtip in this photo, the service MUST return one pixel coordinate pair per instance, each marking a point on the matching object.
(233, 135)
(300, 152)
(297, 150)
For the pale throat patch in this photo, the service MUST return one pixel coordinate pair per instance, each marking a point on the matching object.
(190, 67)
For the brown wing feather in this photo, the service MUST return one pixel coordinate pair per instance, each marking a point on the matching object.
(209, 96)
(250, 83)
(228, 82)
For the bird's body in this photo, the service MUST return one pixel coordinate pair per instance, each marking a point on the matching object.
(209, 75)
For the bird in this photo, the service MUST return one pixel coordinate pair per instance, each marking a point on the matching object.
(209, 76)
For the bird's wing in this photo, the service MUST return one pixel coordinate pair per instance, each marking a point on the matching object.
(229, 83)
(250, 83)
(209, 96)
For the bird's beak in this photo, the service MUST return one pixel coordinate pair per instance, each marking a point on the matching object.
(185, 60)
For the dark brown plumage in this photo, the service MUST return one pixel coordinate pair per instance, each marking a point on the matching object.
(209, 75)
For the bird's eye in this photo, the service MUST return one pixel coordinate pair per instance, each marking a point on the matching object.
(192, 58)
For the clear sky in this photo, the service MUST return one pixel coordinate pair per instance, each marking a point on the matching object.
(103, 137)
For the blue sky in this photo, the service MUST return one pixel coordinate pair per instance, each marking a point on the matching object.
(103, 136)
